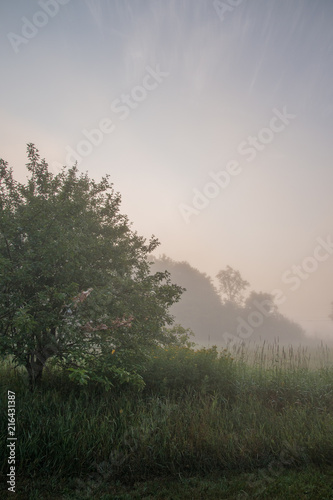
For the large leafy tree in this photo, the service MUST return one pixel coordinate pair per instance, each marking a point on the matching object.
(75, 280)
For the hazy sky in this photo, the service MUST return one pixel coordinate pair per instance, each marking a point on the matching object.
(214, 120)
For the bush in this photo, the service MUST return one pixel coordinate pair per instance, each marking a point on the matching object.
(183, 369)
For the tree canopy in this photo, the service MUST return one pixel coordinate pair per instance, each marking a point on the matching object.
(75, 281)
(232, 285)
(220, 321)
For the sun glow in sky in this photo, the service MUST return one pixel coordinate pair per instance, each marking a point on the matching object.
(214, 121)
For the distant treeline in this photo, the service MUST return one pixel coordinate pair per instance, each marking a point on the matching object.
(217, 321)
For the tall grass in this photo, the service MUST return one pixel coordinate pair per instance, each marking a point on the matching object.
(291, 357)
(201, 411)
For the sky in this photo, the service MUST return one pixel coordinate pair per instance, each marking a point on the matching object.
(213, 119)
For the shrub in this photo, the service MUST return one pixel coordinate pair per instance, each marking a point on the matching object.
(179, 369)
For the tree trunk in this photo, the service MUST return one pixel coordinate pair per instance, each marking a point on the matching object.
(34, 367)
(36, 360)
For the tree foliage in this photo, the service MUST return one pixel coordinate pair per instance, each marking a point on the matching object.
(260, 300)
(200, 306)
(75, 281)
(232, 285)
(218, 322)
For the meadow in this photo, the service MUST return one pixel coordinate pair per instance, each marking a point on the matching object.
(240, 423)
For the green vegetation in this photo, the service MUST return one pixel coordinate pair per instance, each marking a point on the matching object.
(127, 407)
(75, 281)
(204, 426)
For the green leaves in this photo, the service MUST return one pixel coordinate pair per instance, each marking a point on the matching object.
(79, 375)
(61, 235)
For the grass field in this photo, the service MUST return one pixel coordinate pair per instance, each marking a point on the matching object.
(208, 424)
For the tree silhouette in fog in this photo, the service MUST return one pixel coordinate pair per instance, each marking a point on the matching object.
(232, 285)
(209, 315)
